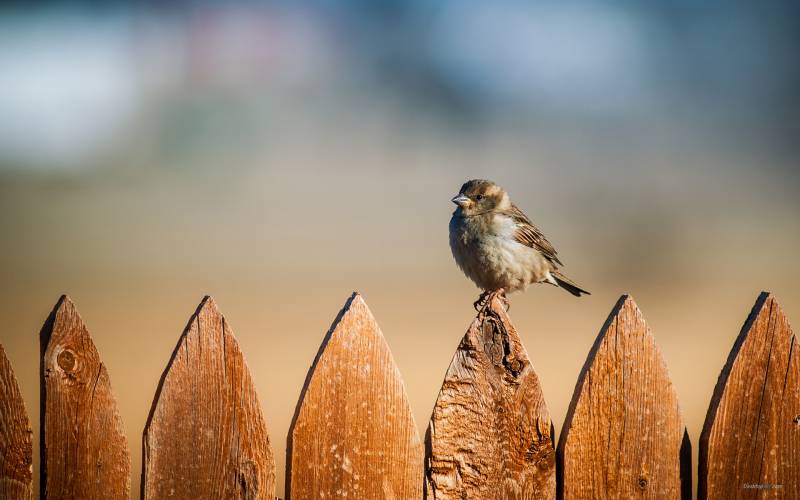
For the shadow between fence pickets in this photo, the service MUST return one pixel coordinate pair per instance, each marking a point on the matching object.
(490, 434)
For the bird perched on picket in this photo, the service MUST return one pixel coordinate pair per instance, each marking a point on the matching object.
(498, 247)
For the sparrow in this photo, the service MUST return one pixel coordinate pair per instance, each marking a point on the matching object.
(498, 247)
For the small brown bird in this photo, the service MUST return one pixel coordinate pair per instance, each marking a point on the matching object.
(498, 247)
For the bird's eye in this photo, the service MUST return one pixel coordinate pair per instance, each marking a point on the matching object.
(479, 197)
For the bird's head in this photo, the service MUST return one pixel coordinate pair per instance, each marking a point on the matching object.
(479, 196)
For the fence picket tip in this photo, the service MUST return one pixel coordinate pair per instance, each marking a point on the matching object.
(216, 370)
(625, 365)
(207, 302)
(73, 374)
(490, 434)
(738, 420)
(381, 431)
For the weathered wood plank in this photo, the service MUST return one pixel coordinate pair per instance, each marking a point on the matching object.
(16, 448)
(750, 445)
(490, 435)
(85, 452)
(624, 436)
(353, 434)
(206, 437)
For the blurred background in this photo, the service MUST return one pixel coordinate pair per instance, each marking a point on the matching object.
(278, 155)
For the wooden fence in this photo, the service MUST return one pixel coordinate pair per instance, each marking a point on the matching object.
(353, 434)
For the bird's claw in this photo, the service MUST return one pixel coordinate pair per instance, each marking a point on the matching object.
(482, 300)
(487, 297)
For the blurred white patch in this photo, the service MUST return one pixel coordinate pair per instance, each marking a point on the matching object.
(564, 54)
(67, 87)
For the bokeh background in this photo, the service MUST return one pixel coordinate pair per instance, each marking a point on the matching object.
(278, 155)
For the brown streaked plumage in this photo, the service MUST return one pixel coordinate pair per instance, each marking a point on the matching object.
(496, 244)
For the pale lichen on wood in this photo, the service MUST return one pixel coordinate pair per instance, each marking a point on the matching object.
(490, 435)
(750, 445)
(624, 435)
(85, 452)
(353, 434)
(206, 437)
(16, 448)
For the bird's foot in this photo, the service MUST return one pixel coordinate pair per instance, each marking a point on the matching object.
(487, 297)
(481, 302)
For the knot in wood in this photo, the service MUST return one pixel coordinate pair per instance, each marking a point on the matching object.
(796, 420)
(642, 483)
(494, 352)
(493, 340)
(66, 360)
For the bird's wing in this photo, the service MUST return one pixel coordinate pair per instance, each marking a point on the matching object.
(529, 235)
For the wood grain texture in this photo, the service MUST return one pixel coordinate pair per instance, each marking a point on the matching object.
(16, 448)
(490, 435)
(85, 452)
(624, 436)
(750, 445)
(206, 437)
(353, 434)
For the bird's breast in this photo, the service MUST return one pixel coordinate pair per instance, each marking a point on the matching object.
(488, 253)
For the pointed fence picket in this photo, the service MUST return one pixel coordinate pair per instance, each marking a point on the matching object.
(750, 445)
(84, 450)
(353, 434)
(624, 436)
(206, 436)
(490, 435)
(16, 448)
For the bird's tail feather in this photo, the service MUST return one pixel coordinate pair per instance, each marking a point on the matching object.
(568, 285)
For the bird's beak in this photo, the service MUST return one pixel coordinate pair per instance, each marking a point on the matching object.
(460, 200)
